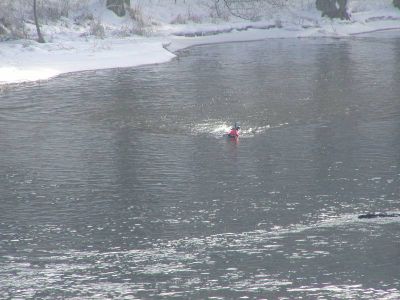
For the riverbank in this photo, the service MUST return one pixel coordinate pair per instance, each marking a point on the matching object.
(27, 60)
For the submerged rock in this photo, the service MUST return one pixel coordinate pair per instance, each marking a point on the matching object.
(378, 215)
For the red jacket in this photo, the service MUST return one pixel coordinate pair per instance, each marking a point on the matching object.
(234, 132)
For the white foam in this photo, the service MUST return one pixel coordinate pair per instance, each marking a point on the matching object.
(212, 127)
(218, 128)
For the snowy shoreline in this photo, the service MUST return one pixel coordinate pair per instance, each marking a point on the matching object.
(26, 60)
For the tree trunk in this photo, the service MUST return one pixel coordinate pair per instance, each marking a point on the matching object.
(40, 37)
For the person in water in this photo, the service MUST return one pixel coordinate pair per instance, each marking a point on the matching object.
(234, 133)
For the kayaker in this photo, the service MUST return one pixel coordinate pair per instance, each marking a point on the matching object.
(234, 133)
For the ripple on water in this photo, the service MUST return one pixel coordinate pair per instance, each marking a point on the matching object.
(107, 181)
(211, 265)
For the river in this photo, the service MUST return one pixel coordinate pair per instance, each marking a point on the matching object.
(119, 184)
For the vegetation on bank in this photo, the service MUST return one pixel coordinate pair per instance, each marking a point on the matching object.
(25, 19)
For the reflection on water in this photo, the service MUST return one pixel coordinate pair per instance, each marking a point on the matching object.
(118, 183)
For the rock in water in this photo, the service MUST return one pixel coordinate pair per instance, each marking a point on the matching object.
(377, 215)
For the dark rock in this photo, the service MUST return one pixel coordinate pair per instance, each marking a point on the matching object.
(377, 215)
(117, 6)
(333, 8)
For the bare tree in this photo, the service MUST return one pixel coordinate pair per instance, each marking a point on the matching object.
(250, 9)
(40, 37)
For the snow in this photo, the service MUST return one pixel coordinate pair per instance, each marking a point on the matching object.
(38, 62)
(70, 48)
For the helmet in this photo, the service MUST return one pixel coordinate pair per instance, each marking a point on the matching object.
(237, 125)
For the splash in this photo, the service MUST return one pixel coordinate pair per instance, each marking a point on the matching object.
(212, 127)
(218, 128)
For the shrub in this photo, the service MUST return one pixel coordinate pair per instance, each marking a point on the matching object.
(139, 25)
(97, 29)
(179, 20)
(135, 13)
(12, 20)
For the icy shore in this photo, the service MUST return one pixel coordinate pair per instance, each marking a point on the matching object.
(26, 60)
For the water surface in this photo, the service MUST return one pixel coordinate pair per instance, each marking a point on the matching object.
(118, 183)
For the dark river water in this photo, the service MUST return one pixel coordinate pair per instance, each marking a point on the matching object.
(119, 184)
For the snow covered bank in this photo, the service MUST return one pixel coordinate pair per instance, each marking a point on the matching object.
(70, 51)
(31, 61)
